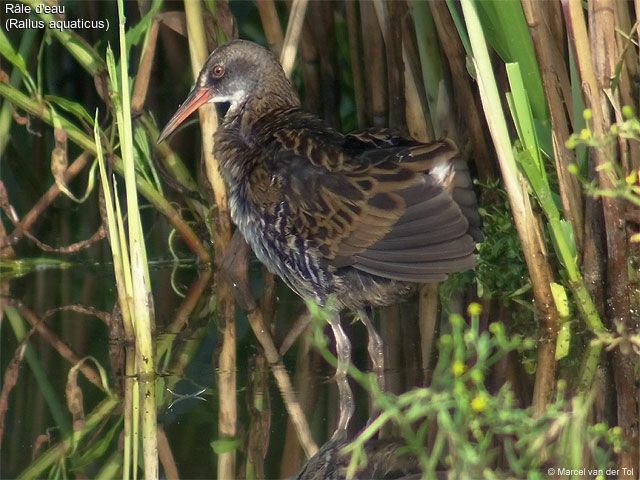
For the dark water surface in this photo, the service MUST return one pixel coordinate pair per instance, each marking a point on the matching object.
(79, 301)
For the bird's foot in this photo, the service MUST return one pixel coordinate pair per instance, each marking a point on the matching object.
(345, 395)
(375, 348)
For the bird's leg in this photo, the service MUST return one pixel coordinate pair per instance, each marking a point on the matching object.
(375, 347)
(343, 354)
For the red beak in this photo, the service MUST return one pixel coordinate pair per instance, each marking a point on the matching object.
(196, 98)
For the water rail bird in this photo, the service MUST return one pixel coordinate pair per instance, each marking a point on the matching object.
(359, 217)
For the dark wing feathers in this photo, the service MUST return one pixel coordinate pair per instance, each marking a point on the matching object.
(435, 219)
(388, 206)
(457, 248)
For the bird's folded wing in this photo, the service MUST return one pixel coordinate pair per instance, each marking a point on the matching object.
(398, 210)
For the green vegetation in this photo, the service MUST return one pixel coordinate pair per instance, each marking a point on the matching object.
(478, 433)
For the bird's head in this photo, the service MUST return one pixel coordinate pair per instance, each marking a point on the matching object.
(234, 73)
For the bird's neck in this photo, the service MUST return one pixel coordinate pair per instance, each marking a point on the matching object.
(264, 102)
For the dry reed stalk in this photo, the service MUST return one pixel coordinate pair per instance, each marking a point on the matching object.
(189, 302)
(226, 362)
(268, 300)
(45, 201)
(284, 382)
(595, 73)
(394, 13)
(427, 318)
(625, 46)
(636, 8)
(54, 340)
(414, 114)
(6, 253)
(418, 127)
(411, 349)
(628, 72)
(374, 67)
(624, 64)
(166, 456)
(466, 104)
(306, 386)
(417, 104)
(555, 25)
(541, 280)
(259, 408)
(606, 55)
(310, 71)
(526, 223)
(143, 74)
(298, 326)
(271, 25)
(292, 36)
(356, 62)
(234, 271)
(41, 110)
(555, 81)
(602, 35)
(389, 17)
(321, 26)
(390, 333)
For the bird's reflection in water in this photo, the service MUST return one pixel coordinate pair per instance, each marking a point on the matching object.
(386, 459)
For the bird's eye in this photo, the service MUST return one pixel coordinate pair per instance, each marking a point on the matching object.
(218, 71)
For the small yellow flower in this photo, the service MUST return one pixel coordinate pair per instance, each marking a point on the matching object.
(585, 134)
(479, 403)
(587, 114)
(457, 368)
(474, 308)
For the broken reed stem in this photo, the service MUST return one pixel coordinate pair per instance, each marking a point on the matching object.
(526, 224)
